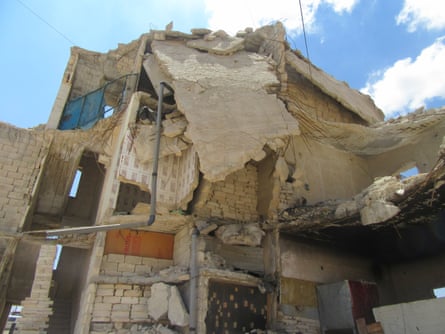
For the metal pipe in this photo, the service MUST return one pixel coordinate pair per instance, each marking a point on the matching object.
(154, 174)
(194, 272)
(154, 179)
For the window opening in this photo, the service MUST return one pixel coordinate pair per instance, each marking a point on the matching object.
(409, 172)
(14, 313)
(108, 111)
(57, 259)
(439, 292)
(75, 186)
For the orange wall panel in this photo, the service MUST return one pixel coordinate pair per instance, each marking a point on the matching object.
(140, 243)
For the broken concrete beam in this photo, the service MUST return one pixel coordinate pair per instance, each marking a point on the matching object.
(218, 45)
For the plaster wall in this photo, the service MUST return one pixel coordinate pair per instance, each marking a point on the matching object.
(413, 280)
(323, 173)
(424, 316)
(423, 153)
(318, 264)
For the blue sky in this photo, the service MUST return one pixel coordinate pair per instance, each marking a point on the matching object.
(393, 50)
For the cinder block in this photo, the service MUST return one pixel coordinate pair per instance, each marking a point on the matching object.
(102, 307)
(116, 258)
(111, 299)
(126, 267)
(121, 307)
(133, 259)
(133, 293)
(104, 292)
(130, 300)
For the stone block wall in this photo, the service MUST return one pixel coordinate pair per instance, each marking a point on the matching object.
(22, 154)
(120, 303)
(234, 198)
(313, 100)
(38, 306)
(127, 265)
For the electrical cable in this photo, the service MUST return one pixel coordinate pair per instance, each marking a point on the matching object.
(305, 40)
(46, 22)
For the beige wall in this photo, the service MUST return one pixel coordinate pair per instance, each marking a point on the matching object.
(423, 154)
(318, 264)
(327, 173)
(22, 156)
(414, 280)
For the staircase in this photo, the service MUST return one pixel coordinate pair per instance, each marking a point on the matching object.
(60, 320)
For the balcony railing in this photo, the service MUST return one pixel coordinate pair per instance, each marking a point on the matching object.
(84, 111)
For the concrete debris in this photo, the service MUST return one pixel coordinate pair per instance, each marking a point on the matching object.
(205, 227)
(177, 313)
(211, 260)
(375, 202)
(218, 45)
(240, 234)
(155, 329)
(200, 31)
(174, 127)
(145, 136)
(158, 302)
(166, 302)
(378, 212)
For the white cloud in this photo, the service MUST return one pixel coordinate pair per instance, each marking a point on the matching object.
(234, 15)
(409, 84)
(422, 13)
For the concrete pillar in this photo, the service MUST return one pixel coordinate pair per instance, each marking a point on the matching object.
(38, 306)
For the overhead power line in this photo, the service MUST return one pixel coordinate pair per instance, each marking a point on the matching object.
(305, 39)
(46, 22)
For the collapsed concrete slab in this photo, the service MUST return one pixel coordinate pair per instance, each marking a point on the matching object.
(226, 103)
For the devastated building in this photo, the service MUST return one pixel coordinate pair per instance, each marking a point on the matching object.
(203, 183)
